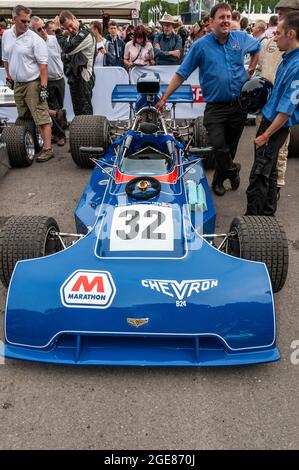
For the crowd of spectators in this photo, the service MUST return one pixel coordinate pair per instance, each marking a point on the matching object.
(38, 55)
(165, 44)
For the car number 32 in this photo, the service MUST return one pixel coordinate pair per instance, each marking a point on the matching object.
(142, 227)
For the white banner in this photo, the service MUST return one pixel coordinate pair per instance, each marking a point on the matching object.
(166, 72)
(107, 78)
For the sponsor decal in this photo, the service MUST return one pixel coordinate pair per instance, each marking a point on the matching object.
(142, 227)
(88, 289)
(197, 94)
(137, 321)
(180, 290)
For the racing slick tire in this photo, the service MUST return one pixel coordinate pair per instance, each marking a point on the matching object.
(200, 139)
(30, 125)
(261, 238)
(88, 131)
(26, 237)
(20, 146)
(294, 143)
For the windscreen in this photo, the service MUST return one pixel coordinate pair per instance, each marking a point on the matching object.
(147, 162)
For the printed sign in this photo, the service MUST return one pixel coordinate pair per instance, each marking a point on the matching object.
(197, 94)
(142, 227)
(180, 290)
(87, 289)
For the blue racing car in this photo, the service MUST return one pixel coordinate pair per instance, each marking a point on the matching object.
(145, 281)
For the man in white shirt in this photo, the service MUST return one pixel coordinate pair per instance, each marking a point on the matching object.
(25, 58)
(258, 31)
(56, 85)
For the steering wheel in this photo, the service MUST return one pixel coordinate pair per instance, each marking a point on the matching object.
(143, 187)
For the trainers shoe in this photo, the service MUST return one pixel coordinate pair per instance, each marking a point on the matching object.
(234, 176)
(218, 188)
(278, 192)
(45, 155)
(61, 142)
(217, 184)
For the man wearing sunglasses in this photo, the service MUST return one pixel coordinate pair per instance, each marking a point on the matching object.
(25, 57)
(56, 85)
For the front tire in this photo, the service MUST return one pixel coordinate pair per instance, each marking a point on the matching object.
(26, 237)
(261, 238)
(88, 131)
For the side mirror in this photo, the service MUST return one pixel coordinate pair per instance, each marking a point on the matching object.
(93, 151)
(197, 151)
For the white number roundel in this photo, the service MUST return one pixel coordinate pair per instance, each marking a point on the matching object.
(142, 227)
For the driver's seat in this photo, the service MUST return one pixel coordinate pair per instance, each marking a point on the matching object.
(148, 127)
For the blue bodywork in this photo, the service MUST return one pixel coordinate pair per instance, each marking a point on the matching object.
(142, 287)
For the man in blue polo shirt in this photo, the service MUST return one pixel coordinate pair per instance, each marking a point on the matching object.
(220, 58)
(279, 114)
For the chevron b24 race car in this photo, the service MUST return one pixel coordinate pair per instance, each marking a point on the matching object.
(145, 281)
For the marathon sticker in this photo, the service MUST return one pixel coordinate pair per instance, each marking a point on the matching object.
(88, 289)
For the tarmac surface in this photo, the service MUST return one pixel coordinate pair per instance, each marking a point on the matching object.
(56, 407)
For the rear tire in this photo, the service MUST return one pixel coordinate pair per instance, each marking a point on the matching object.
(200, 139)
(20, 146)
(88, 131)
(261, 238)
(30, 126)
(26, 237)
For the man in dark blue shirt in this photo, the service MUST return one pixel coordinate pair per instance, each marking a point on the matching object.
(219, 56)
(279, 114)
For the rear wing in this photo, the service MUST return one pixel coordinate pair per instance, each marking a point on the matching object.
(129, 94)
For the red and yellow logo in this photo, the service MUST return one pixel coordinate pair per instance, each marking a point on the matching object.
(89, 289)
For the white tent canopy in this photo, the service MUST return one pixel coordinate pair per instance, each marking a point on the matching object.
(81, 9)
(253, 17)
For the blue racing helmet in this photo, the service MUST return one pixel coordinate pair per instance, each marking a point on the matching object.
(254, 94)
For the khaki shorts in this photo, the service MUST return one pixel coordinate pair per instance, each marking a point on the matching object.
(28, 102)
